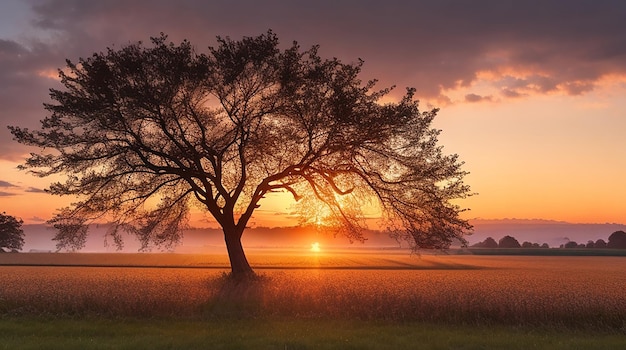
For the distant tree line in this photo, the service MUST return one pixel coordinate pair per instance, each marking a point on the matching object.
(617, 240)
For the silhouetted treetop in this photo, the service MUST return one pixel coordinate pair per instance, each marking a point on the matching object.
(487, 243)
(508, 242)
(143, 133)
(617, 240)
(600, 243)
(11, 233)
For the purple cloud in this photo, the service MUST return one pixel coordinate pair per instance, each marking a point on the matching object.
(34, 190)
(432, 45)
(477, 98)
(6, 184)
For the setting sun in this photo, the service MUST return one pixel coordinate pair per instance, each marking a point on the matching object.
(315, 247)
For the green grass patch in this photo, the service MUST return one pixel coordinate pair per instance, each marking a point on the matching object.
(100, 333)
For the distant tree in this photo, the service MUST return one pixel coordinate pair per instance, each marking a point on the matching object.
(600, 243)
(527, 244)
(536, 245)
(545, 245)
(571, 244)
(11, 233)
(590, 244)
(617, 240)
(144, 133)
(508, 242)
(487, 243)
(490, 243)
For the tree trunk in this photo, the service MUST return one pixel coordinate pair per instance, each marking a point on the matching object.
(240, 268)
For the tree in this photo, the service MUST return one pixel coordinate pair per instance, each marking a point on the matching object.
(617, 240)
(527, 244)
(222, 130)
(487, 243)
(11, 233)
(600, 243)
(590, 244)
(508, 242)
(571, 244)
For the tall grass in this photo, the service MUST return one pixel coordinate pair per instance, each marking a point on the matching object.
(554, 292)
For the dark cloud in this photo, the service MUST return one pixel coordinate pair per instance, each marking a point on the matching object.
(477, 98)
(6, 194)
(426, 44)
(24, 84)
(437, 45)
(511, 93)
(6, 184)
(34, 190)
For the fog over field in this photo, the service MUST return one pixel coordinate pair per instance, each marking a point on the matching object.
(39, 237)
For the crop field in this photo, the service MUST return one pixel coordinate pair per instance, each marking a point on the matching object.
(553, 292)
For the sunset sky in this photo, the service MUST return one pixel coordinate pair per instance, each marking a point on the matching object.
(532, 93)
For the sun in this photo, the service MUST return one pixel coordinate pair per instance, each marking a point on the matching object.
(315, 247)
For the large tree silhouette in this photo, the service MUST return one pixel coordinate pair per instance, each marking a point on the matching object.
(224, 129)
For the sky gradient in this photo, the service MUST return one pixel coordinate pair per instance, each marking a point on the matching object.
(532, 93)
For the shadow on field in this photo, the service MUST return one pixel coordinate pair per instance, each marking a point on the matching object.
(342, 261)
(235, 297)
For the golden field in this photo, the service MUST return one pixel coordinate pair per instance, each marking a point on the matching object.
(579, 292)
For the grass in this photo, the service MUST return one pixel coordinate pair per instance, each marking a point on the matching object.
(315, 301)
(37, 333)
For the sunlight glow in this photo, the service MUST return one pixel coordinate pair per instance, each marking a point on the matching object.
(315, 247)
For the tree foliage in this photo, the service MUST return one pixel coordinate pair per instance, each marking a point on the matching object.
(617, 240)
(489, 242)
(508, 242)
(142, 133)
(11, 233)
(600, 243)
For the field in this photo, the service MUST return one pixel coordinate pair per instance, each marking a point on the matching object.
(541, 293)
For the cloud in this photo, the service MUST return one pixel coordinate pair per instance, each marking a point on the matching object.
(23, 90)
(35, 190)
(427, 44)
(6, 184)
(37, 219)
(477, 98)
(511, 93)
(6, 194)
(432, 45)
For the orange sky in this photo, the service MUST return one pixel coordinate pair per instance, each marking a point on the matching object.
(534, 106)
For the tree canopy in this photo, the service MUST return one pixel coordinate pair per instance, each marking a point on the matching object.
(617, 240)
(508, 242)
(11, 233)
(142, 133)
